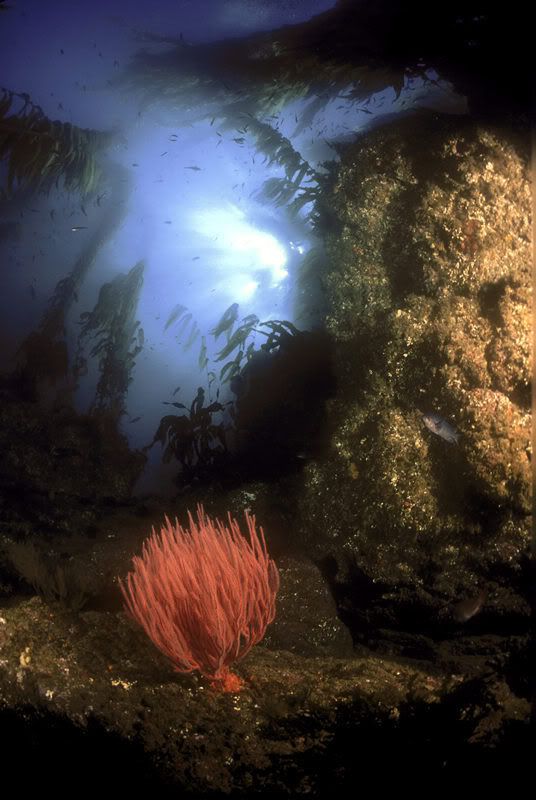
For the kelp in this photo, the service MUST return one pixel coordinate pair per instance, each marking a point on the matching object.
(352, 48)
(193, 439)
(279, 149)
(262, 73)
(183, 80)
(241, 341)
(40, 151)
(350, 45)
(117, 339)
(225, 325)
(43, 354)
(187, 331)
(301, 185)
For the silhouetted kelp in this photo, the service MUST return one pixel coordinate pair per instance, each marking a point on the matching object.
(323, 56)
(42, 357)
(193, 439)
(118, 339)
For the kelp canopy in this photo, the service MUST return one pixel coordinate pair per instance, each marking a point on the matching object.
(363, 45)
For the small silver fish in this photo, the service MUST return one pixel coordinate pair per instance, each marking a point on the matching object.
(466, 609)
(435, 423)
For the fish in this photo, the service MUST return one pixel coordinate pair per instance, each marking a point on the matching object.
(79, 228)
(136, 419)
(468, 608)
(194, 168)
(435, 423)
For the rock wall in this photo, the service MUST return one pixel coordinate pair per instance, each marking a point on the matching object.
(429, 287)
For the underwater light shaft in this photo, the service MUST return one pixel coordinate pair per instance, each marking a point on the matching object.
(248, 257)
(263, 248)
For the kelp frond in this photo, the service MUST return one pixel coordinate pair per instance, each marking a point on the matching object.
(40, 151)
(117, 338)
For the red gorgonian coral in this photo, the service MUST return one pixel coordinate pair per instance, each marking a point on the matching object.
(204, 595)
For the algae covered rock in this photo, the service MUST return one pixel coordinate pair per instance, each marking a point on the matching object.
(429, 292)
(60, 469)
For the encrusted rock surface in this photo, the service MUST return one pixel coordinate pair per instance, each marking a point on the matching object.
(429, 284)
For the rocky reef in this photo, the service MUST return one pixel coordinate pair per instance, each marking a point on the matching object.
(429, 285)
(87, 697)
(60, 470)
